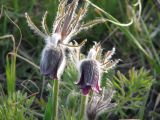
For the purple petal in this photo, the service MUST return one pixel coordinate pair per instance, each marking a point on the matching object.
(89, 77)
(86, 90)
(81, 82)
(50, 61)
(89, 73)
(96, 88)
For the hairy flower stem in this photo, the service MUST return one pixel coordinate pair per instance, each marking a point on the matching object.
(84, 101)
(55, 99)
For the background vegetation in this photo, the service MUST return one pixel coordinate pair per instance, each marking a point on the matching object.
(138, 46)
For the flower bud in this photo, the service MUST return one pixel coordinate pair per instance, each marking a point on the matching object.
(51, 61)
(89, 76)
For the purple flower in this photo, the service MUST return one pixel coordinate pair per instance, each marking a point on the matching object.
(66, 25)
(51, 61)
(89, 76)
(92, 67)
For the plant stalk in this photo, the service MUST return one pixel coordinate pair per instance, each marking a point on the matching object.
(84, 101)
(55, 99)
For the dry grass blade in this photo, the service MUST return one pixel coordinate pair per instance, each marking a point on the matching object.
(19, 32)
(25, 84)
(12, 38)
(121, 26)
(23, 58)
(140, 8)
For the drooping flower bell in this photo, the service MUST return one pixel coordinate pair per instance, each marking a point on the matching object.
(91, 69)
(52, 62)
(90, 75)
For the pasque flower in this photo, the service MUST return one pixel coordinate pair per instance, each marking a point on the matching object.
(66, 25)
(100, 103)
(91, 69)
